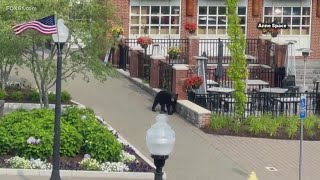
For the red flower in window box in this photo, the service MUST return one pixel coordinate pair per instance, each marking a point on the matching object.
(190, 27)
(194, 82)
(144, 41)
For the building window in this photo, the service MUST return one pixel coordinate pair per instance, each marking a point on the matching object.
(297, 18)
(154, 20)
(212, 20)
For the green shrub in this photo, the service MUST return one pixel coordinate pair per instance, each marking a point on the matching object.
(236, 125)
(272, 124)
(292, 126)
(310, 125)
(38, 123)
(52, 97)
(256, 125)
(65, 97)
(34, 95)
(17, 95)
(4, 141)
(3, 94)
(78, 134)
(218, 122)
(99, 142)
(103, 146)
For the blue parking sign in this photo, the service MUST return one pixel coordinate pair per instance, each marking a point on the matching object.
(303, 108)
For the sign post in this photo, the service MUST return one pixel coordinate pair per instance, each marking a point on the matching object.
(303, 114)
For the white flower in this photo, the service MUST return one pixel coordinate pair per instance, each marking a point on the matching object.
(114, 167)
(90, 164)
(127, 158)
(37, 141)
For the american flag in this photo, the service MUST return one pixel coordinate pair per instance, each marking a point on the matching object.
(46, 25)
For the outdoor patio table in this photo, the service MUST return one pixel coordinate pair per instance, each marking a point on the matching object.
(274, 90)
(220, 90)
(250, 59)
(211, 83)
(257, 82)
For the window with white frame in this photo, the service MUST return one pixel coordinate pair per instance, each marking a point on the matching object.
(155, 20)
(297, 18)
(212, 20)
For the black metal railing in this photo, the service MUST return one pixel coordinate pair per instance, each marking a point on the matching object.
(211, 48)
(161, 46)
(144, 65)
(124, 61)
(165, 76)
(258, 103)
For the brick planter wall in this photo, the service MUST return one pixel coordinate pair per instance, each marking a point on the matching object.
(134, 61)
(180, 73)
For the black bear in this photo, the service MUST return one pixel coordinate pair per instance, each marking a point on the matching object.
(165, 99)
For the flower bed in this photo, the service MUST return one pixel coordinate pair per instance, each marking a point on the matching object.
(86, 144)
(265, 126)
(28, 95)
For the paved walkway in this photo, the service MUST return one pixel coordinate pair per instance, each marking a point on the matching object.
(196, 155)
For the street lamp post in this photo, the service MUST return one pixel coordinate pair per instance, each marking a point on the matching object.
(60, 38)
(305, 53)
(160, 142)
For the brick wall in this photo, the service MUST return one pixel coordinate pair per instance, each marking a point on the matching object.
(315, 35)
(252, 31)
(193, 50)
(178, 82)
(122, 12)
(184, 18)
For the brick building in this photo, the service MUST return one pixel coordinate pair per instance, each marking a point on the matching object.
(166, 19)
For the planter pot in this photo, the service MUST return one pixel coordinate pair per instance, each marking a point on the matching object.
(274, 35)
(144, 46)
(191, 31)
(195, 87)
(173, 56)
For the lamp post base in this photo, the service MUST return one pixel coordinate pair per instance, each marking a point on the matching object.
(55, 175)
(159, 162)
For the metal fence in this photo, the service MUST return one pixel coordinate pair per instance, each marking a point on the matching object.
(161, 46)
(144, 65)
(211, 47)
(165, 76)
(124, 57)
(273, 76)
(257, 103)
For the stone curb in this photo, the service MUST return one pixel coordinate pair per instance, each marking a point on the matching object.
(71, 173)
(92, 174)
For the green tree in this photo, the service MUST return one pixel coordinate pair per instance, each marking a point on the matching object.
(237, 70)
(10, 52)
(88, 23)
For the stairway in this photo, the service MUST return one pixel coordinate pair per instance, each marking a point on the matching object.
(312, 71)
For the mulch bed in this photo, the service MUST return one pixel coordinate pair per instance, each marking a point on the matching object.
(281, 134)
